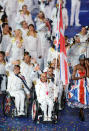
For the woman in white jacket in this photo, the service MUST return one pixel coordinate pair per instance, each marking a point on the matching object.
(33, 43)
(24, 15)
(15, 49)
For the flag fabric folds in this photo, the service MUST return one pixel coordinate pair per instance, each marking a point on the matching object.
(61, 41)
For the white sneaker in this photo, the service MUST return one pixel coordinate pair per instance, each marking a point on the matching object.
(49, 119)
(77, 24)
(60, 108)
(45, 119)
(21, 113)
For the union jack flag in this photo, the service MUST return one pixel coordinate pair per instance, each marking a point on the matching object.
(61, 41)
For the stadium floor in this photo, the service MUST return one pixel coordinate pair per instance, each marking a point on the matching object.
(68, 121)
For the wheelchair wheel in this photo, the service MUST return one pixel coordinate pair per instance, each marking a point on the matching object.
(55, 112)
(35, 110)
(8, 106)
(33, 94)
(26, 107)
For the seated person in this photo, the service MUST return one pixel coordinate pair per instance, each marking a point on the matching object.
(46, 95)
(17, 88)
(2, 72)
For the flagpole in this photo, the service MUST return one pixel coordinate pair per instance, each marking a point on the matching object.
(57, 39)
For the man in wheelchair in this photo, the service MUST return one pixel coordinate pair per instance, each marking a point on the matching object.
(46, 95)
(3, 77)
(18, 89)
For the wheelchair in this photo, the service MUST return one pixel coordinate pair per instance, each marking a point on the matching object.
(9, 108)
(37, 113)
(3, 83)
(3, 86)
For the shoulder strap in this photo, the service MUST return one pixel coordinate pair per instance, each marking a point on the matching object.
(22, 78)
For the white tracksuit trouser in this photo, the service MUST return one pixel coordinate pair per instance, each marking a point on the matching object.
(3, 84)
(19, 99)
(75, 9)
(44, 104)
(44, 49)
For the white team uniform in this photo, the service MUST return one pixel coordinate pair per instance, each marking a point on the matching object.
(42, 5)
(48, 9)
(46, 94)
(11, 12)
(84, 44)
(76, 50)
(29, 4)
(23, 17)
(65, 18)
(52, 54)
(24, 32)
(54, 19)
(59, 84)
(3, 76)
(15, 88)
(33, 46)
(1, 14)
(75, 9)
(15, 53)
(34, 76)
(2, 3)
(64, 3)
(83, 38)
(20, 4)
(5, 42)
(26, 72)
(43, 31)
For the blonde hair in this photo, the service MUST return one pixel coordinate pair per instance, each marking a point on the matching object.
(20, 32)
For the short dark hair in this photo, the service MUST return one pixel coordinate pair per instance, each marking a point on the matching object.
(3, 18)
(17, 66)
(83, 26)
(3, 53)
(27, 53)
(24, 6)
(31, 25)
(4, 24)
